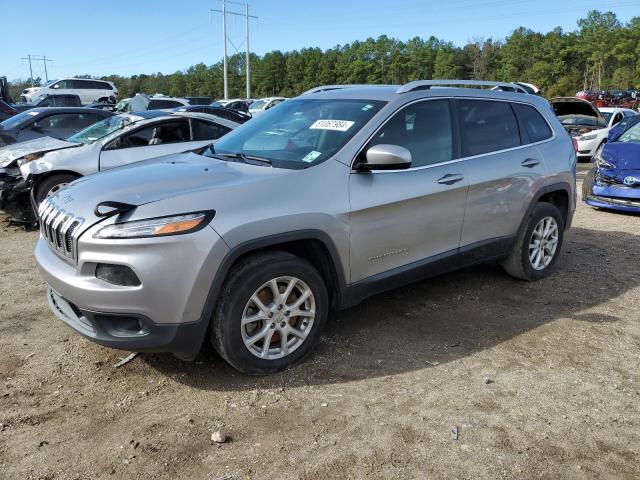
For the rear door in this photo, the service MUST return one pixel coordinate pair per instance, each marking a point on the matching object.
(156, 140)
(401, 217)
(504, 166)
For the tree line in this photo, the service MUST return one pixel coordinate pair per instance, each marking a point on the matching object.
(601, 54)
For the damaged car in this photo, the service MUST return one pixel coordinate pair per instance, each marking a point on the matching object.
(614, 181)
(45, 165)
(585, 123)
(55, 122)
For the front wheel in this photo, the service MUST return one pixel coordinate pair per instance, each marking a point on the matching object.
(270, 314)
(538, 245)
(51, 185)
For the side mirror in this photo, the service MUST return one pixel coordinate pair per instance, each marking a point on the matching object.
(386, 157)
(56, 86)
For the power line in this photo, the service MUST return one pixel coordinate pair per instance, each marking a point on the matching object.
(246, 16)
(37, 58)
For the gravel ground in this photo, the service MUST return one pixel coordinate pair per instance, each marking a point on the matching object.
(540, 380)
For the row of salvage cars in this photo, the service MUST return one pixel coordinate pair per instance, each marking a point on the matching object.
(38, 164)
(610, 138)
(32, 170)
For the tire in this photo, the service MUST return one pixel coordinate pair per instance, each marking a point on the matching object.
(587, 183)
(251, 278)
(519, 264)
(51, 184)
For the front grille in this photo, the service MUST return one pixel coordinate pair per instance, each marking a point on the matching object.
(59, 228)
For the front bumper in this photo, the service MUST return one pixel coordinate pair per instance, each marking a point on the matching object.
(165, 313)
(614, 197)
(587, 148)
(14, 196)
(129, 332)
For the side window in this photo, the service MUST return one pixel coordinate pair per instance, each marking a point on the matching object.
(62, 84)
(536, 127)
(158, 104)
(63, 120)
(80, 84)
(164, 133)
(617, 118)
(487, 126)
(207, 131)
(424, 128)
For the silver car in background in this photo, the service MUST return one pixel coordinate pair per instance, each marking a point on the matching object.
(332, 197)
(49, 164)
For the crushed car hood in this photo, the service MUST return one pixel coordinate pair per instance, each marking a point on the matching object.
(625, 157)
(577, 108)
(40, 145)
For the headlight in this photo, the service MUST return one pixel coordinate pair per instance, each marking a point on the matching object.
(590, 136)
(157, 227)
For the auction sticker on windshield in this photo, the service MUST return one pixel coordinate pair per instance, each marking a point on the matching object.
(335, 125)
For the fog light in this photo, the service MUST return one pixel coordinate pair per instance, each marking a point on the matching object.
(117, 275)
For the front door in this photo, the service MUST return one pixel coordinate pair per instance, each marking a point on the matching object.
(164, 138)
(402, 217)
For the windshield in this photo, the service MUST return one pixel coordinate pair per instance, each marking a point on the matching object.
(101, 129)
(299, 133)
(50, 82)
(258, 105)
(122, 105)
(607, 116)
(632, 135)
(219, 103)
(17, 120)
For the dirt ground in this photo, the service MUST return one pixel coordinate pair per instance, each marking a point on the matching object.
(380, 397)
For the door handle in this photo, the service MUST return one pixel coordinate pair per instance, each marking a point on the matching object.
(530, 162)
(451, 178)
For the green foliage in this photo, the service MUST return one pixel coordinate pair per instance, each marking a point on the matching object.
(601, 54)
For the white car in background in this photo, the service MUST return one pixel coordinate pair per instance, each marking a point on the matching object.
(588, 125)
(262, 105)
(49, 164)
(88, 89)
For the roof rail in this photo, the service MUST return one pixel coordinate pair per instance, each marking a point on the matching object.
(427, 84)
(325, 88)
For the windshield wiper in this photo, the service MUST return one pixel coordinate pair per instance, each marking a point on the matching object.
(245, 158)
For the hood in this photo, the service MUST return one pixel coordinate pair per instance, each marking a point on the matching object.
(625, 156)
(165, 177)
(576, 115)
(38, 146)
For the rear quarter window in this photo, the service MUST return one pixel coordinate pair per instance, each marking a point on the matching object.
(487, 126)
(535, 125)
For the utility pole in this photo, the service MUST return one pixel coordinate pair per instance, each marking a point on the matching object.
(226, 38)
(37, 58)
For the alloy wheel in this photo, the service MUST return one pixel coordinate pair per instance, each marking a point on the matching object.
(278, 318)
(543, 243)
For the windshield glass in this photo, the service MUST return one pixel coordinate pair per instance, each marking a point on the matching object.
(219, 103)
(258, 105)
(607, 116)
(299, 133)
(50, 82)
(101, 129)
(17, 120)
(632, 135)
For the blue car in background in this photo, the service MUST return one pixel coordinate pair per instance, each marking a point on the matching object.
(614, 181)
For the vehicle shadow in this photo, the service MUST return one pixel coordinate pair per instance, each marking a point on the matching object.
(442, 319)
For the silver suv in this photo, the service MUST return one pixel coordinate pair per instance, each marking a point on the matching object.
(323, 201)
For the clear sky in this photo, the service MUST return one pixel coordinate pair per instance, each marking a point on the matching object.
(101, 37)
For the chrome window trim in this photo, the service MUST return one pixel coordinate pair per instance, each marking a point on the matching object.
(455, 160)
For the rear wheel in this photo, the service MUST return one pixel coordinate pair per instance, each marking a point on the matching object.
(51, 185)
(538, 244)
(271, 313)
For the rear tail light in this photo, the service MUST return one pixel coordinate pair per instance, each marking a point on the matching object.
(575, 144)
